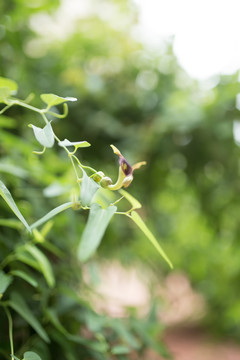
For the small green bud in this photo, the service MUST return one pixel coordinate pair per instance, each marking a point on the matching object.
(98, 176)
(105, 182)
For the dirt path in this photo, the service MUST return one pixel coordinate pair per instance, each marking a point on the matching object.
(124, 287)
(189, 344)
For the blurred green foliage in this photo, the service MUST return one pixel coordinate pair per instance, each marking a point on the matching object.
(142, 101)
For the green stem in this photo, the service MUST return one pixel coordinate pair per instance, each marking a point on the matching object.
(30, 107)
(84, 166)
(42, 112)
(64, 147)
(10, 330)
(117, 201)
(5, 108)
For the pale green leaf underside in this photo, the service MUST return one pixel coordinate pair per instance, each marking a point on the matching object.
(88, 189)
(18, 304)
(139, 222)
(30, 355)
(44, 136)
(4, 192)
(51, 214)
(52, 99)
(76, 144)
(97, 223)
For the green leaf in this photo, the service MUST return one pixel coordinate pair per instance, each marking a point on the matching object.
(6, 121)
(97, 223)
(51, 214)
(5, 93)
(23, 275)
(12, 223)
(138, 220)
(26, 258)
(88, 189)
(4, 192)
(52, 99)
(44, 136)
(43, 263)
(120, 350)
(30, 355)
(76, 144)
(53, 318)
(5, 281)
(18, 304)
(56, 189)
(13, 170)
(134, 202)
(9, 84)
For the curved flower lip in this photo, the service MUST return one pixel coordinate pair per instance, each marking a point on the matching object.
(125, 175)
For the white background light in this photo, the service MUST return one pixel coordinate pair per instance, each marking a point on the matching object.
(206, 32)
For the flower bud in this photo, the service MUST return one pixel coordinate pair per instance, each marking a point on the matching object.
(105, 182)
(98, 176)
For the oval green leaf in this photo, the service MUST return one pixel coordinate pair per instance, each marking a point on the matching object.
(30, 355)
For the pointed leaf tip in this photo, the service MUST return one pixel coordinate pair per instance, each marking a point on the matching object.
(140, 223)
(5, 193)
(76, 144)
(52, 99)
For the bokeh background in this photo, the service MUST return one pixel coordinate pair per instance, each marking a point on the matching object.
(136, 90)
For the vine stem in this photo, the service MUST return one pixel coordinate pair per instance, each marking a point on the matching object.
(9, 316)
(42, 112)
(4, 109)
(65, 148)
(70, 154)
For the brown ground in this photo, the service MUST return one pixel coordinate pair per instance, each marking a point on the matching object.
(190, 344)
(182, 311)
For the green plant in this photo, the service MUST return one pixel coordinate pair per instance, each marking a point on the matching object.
(34, 280)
